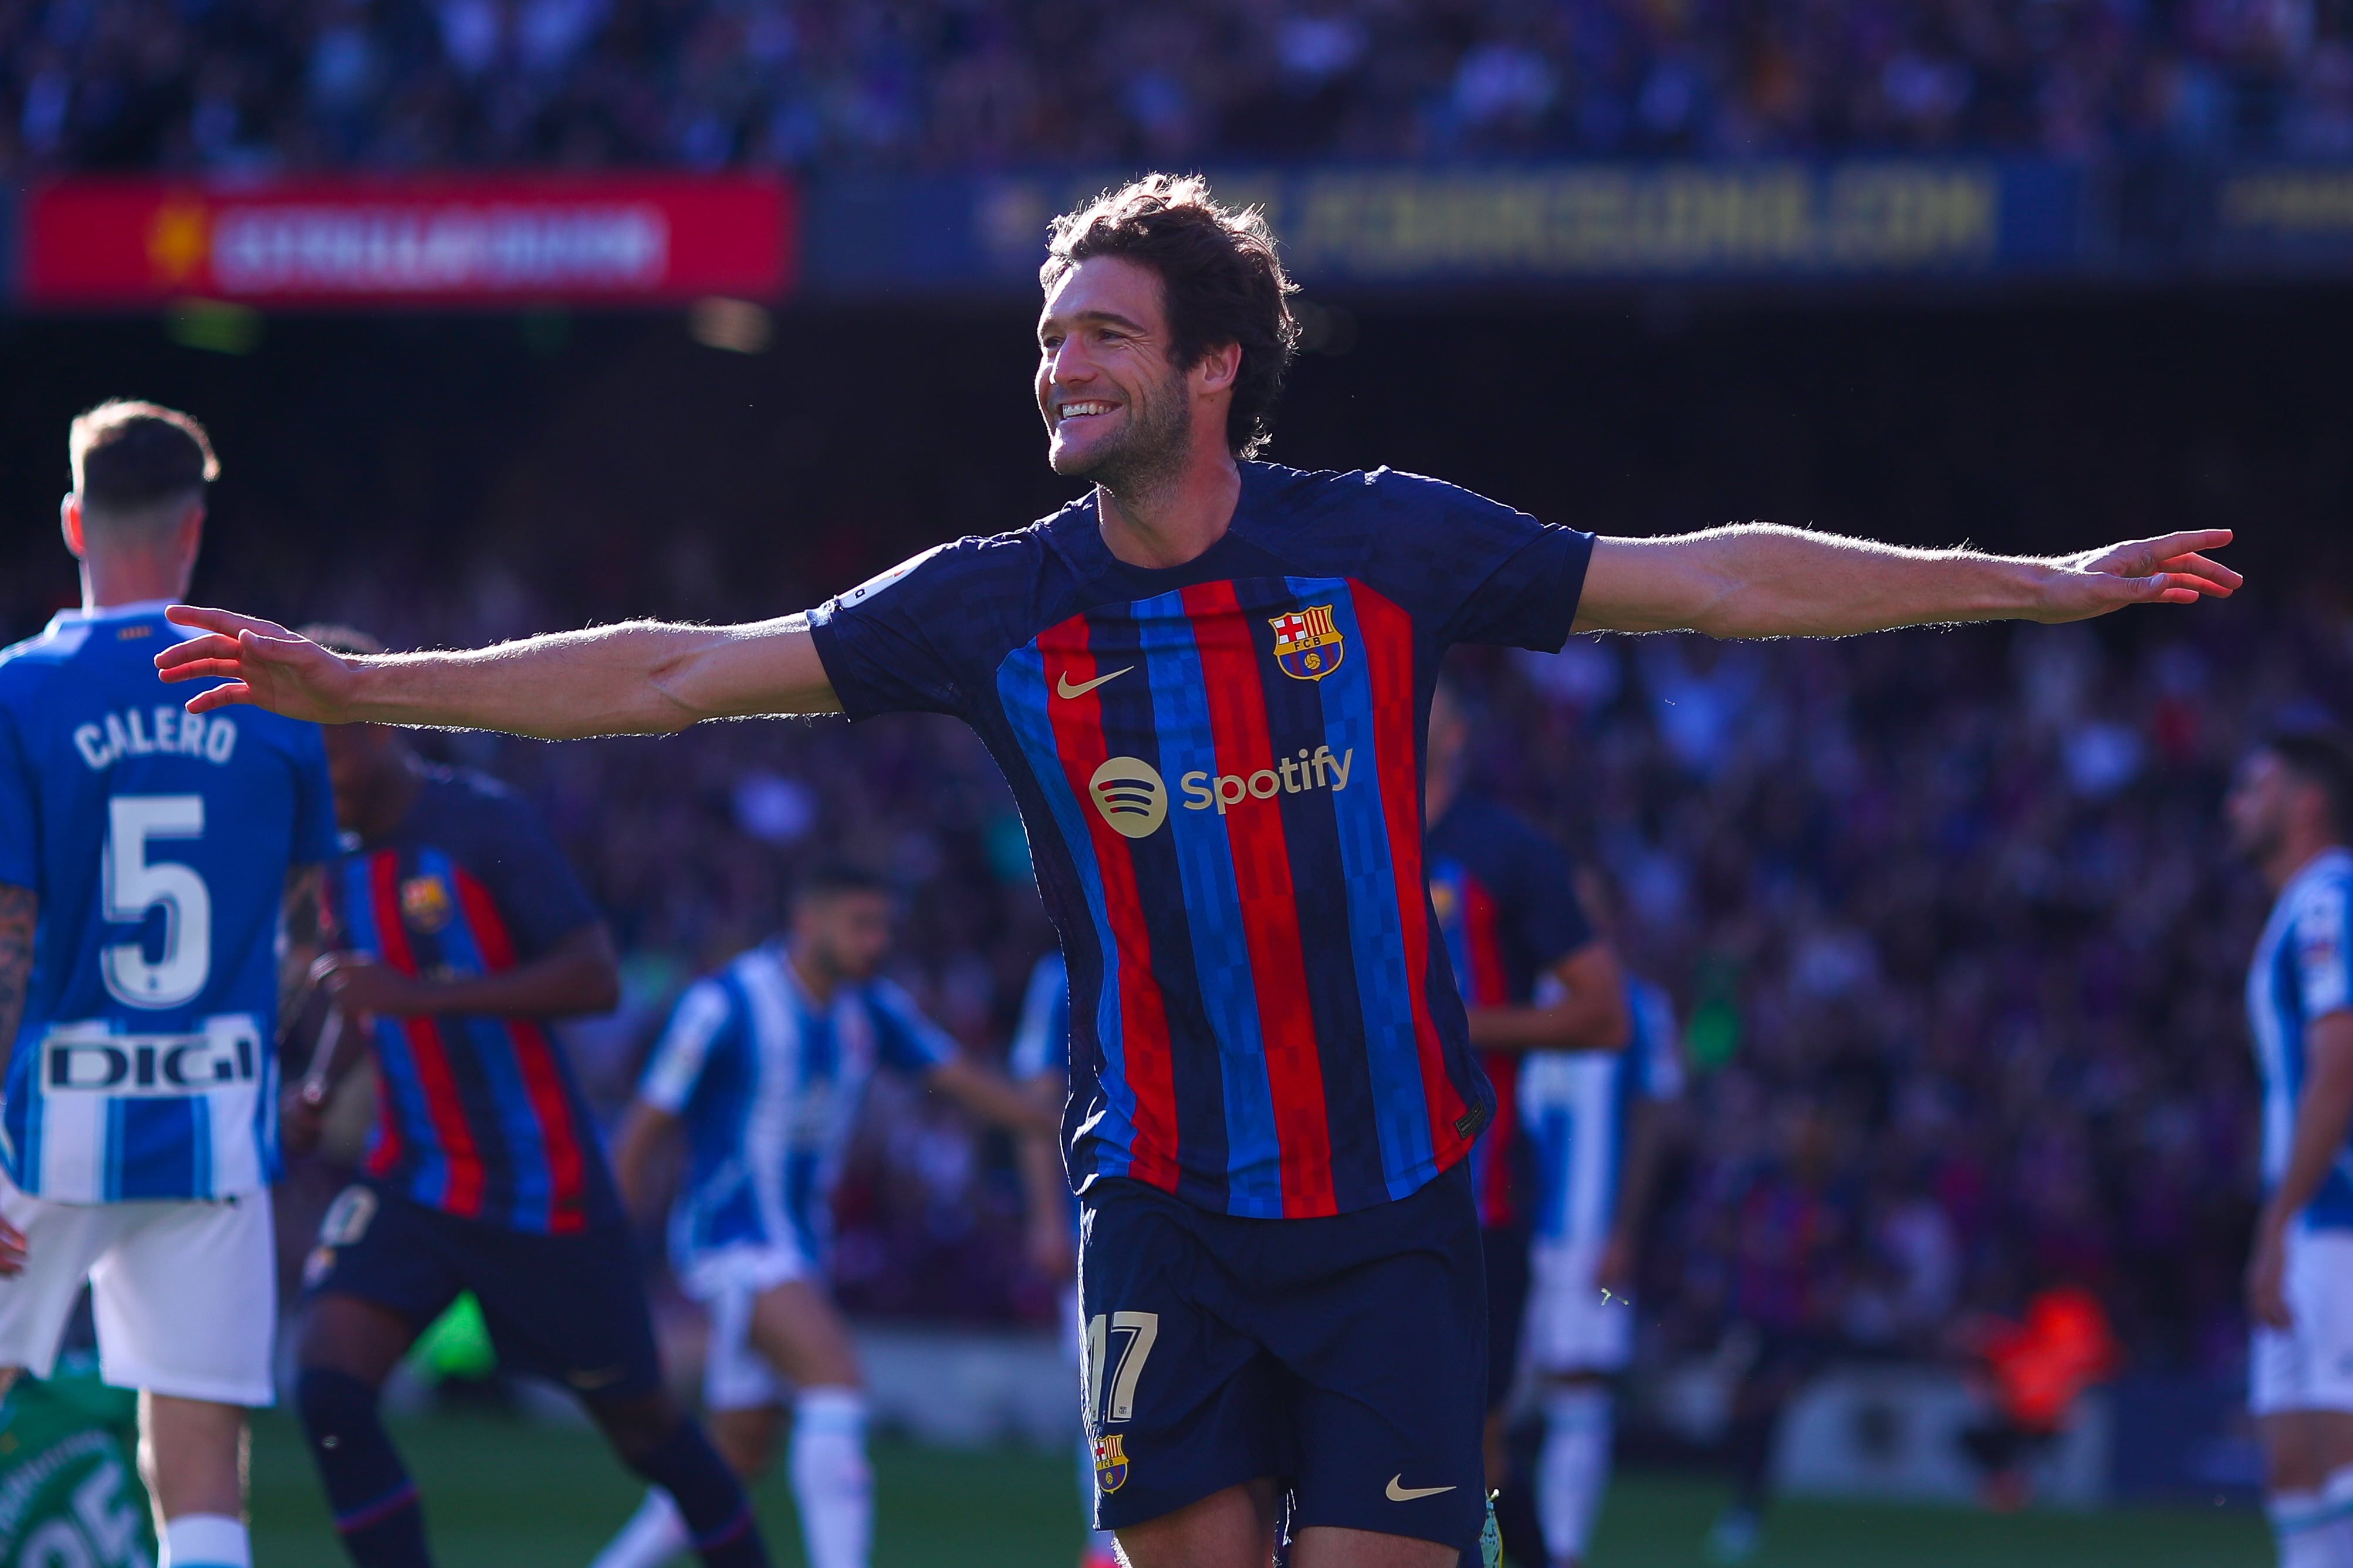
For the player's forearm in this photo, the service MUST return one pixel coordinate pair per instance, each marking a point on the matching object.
(2323, 1115)
(636, 678)
(579, 977)
(1646, 1144)
(19, 915)
(993, 1097)
(643, 1131)
(1758, 580)
(1579, 1024)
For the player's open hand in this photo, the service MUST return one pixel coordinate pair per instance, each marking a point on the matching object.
(2172, 569)
(264, 664)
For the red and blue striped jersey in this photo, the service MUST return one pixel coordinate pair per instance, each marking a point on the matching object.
(1221, 766)
(1507, 907)
(478, 1117)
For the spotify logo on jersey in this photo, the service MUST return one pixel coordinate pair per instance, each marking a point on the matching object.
(1129, 792)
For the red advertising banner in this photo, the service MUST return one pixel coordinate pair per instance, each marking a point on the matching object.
(570, 239)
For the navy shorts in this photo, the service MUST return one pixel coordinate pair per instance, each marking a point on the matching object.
(571, 1308)
(1346, 1357)
(1506, 1250)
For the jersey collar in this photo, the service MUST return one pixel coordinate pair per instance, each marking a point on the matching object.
(140, 611)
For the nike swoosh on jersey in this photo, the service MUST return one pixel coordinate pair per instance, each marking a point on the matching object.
(1408, 1494)
(1062, 687)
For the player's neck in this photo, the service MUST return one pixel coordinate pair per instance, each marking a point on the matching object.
(385, 803)
(131, 577)
(2295, 852)
(815, 979)
(1157, 526)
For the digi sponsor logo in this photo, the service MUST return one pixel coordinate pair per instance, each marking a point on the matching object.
(1131, 796)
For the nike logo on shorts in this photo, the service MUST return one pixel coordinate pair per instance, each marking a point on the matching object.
(1409, 1494)
(1062, 687)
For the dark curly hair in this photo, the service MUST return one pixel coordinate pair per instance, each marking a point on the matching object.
(1221, 281)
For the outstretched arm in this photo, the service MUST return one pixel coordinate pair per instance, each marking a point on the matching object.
(1588, 1015)
(641, 678)
(1761, 581)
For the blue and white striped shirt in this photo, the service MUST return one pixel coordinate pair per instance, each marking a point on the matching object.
(2303, 969)
(1576, 1106)
(769, 1082)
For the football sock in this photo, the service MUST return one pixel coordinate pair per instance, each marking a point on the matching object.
(368, 1489)
(653, 1536)
(719, 1524)
(206, 1541)
(1574, 1467)
(830, 1480)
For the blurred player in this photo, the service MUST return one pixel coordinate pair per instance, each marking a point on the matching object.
(2291, 812)
(1041, 1063)
(1206, 681)
(146, 856)
(763, 1069)
(1596, 1123)
(456, 933)
(1507, 909)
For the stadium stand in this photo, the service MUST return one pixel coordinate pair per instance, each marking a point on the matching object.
(260, 86)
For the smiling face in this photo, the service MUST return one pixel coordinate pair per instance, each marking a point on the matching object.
(1117, 409)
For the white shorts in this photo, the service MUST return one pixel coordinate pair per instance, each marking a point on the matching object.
(735, 1375)
(1569, 1327)
(743, 1266)
(2309, 1366)
(185, 1292)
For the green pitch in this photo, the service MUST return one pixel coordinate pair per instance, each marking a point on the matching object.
(504, 1494)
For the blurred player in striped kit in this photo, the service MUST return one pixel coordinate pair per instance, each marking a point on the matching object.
(763, 1070)
(1596, 1124)
(144, 858)
(1535, 976)
(2290, 813)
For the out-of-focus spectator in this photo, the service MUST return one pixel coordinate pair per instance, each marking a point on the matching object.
(244, 85)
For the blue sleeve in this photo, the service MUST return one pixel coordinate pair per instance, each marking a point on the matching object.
(1482, 572)
(540, 899)
(20, 832)
(314, 842)
(1041, 1044)
(906, 1041)
(1551, 915)
(700, 1027)
(887, 643)
(2324, 949)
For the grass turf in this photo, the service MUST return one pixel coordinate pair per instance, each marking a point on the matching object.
(503, 1494)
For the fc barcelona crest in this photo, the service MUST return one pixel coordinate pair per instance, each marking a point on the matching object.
(426, 903)
(1306, 644)
(1110, 1463)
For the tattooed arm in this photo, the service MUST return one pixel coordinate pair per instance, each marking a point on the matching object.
(18, 906)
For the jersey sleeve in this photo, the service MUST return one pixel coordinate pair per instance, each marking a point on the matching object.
(906, 1041)
(315, 800)
(702, 1017)
(1484, 572)
(20, 837)
(2324, 961)
(887, 643)
(537, 893)
(1041, 1043)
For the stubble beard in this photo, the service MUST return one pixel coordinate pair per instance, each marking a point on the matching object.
(1150, 454)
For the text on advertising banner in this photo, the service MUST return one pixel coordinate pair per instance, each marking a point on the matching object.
(428, 242)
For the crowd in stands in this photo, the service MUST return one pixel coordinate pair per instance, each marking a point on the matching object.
(240, 85)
